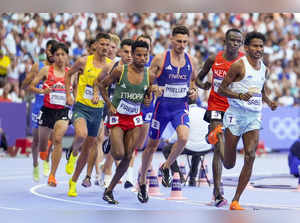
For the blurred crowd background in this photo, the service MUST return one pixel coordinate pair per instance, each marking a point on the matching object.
(23, 37)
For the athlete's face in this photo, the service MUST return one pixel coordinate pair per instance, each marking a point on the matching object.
(180, 42)
(255, 49)
(125, 54)
(49, 55)
(233, 41)
(61, 57)
(140, 56)
(112, 52)
(103, 47)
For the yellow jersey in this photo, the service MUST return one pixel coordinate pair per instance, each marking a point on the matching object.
(85, 83)
(4, 63)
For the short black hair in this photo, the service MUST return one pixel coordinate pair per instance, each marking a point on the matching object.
(139, 43)
(232, 30)
(146, 36)
(180, 30)
(127, 42)
(102, 35)
(59, 46)
(254, 35)
(51, 42)
(90, 42)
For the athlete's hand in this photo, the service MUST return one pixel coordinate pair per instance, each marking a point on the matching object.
(147, 99)
(192, 93)
(159, 91)
(273, 105)
(95, 99)
(245, 96)
(112, 110)
(47, 90)
(70, 100)
(204, 86)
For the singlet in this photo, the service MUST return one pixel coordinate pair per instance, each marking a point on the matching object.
(253, 81)
(128, 97)
(220, 68)
(175, 80)
(56, 99)
(86, 81)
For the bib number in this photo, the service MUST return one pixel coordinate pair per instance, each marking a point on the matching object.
(217, 83)
(148, 116)
(127, 108)
(155, 124)
(231, 120)
(58, 98)
(89, 93)
(175, 91)
(138, 120)
(216, 115)
(113, 120)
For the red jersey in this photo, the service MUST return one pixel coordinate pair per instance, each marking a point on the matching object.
(56, 99)
(220, 68)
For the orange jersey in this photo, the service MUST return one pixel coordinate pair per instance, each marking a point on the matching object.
(220, 68)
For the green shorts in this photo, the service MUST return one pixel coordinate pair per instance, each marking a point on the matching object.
(92, 116)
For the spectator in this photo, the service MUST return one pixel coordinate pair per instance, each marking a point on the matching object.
(4, 68)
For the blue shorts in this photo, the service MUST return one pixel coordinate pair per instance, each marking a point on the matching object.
(165, 112)
(240, 121)
(35, 115)
(148, 111)
(92, 116)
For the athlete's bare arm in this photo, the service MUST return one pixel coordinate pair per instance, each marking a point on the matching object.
(154, 71)
(40, 76)
(236, 73)
(193, 77)
(78, 66)
(203, 73)
(106, 82)
(30, 75)
(272, 104)
(102, 74)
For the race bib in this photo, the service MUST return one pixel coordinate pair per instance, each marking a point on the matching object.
(113, 120)
(175, 91)
(127, 108)
(58, 98)
(254, 103)
(89, 93)
(217, 83)
(138, 120)
(216, 115)
(231, 120)
(155, 124)
(148, 116)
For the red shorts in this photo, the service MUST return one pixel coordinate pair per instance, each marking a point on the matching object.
(125, 122)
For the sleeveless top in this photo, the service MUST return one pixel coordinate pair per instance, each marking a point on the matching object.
(86, 81)
(220, 68)
(175, 80)
(56, 99)
(128, 97)
(252, 82)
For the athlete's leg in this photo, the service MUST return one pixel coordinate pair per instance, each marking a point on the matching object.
(59, 131)
(250, 141)
(182, 137)
(81, 132)
(147, 157)
(231, 142)
(83, 157)
(34, 146)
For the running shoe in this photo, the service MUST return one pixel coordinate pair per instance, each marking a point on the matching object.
(71, 164)
(36, 174)
(44, 155)
(52, 181)
(212, 137)
(166, 180)
(142, 194)
(235, 206)
(46, 168)
(220, 201)
(109, 197)
(68, 153)
(86, 182)
(128, 184)
(72, 188)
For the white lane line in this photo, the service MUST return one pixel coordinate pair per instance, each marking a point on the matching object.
(33, 191)
(11, 209)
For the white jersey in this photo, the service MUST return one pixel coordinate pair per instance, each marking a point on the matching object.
(252, 82)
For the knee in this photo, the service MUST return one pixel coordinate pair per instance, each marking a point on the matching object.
(183, 138)
(57, 140)
(250, 156)
(229, 164)
(118, 155)
(81, 137)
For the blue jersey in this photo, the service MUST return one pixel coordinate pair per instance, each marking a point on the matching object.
(175, 80)
(39, 101)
